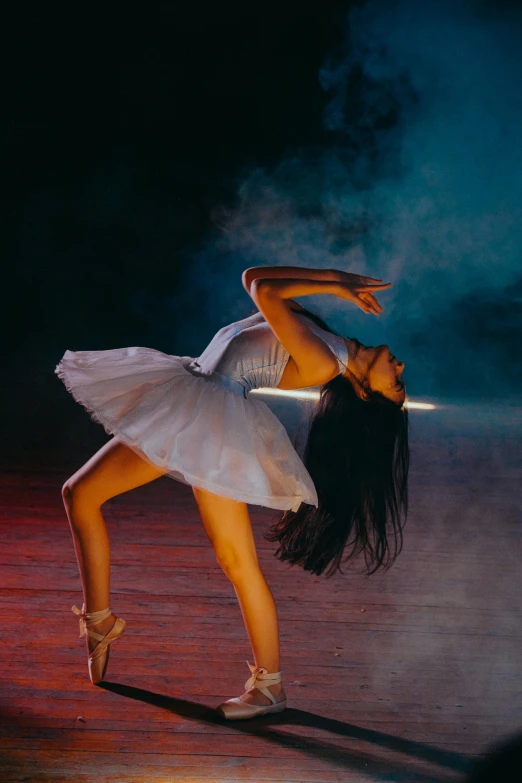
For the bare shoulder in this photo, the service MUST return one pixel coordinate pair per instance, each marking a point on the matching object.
(291, 378)
(314, 360)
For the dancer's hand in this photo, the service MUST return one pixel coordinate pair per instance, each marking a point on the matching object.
(359, 290)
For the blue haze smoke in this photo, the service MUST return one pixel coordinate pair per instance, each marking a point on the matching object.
(419, 181)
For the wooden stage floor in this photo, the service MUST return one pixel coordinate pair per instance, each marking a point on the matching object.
(409, 675)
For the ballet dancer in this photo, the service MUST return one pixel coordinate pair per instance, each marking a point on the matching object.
(194, 420)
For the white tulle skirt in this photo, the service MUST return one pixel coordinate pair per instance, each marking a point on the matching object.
(199, 431)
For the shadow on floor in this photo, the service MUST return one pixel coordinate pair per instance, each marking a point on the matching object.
(266, 727)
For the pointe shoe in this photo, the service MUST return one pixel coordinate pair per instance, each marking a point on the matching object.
(99, 657)
(235, 709)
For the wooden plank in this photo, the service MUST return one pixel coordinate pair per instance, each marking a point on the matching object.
(38, 708)
(119, 768)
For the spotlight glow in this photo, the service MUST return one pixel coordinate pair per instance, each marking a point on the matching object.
(301, 394)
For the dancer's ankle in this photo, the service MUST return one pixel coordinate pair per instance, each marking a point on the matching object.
(102, 628)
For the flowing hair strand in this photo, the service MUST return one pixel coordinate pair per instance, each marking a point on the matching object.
(358, 456)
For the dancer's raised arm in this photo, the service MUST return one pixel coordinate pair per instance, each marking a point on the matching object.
(352, 288)
(294, 272)
(351, 284)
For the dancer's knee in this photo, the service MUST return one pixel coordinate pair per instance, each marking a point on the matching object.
(76, 496)
(236, 565)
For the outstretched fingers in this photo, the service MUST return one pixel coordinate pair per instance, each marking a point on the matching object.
(371, 305)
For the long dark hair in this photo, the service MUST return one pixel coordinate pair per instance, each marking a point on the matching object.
(358, 456)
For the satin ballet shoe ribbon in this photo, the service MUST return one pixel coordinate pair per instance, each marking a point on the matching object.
(90, 618)
(260, 679)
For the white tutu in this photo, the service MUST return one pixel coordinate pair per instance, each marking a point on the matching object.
(201, 432)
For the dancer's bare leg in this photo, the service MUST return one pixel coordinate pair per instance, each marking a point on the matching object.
(227, 524)
(114, 469)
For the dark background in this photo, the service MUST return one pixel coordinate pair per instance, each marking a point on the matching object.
(125, 133)
(146, 149)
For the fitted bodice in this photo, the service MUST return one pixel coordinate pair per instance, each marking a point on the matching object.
(247, 355)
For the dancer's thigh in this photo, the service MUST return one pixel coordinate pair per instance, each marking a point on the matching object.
(227, 524)
(114, 469)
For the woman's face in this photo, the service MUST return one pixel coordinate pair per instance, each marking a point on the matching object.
(385, 373)
(379, 368)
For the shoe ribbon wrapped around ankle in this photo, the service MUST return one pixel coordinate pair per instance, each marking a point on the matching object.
(259, 672)
(90, 618)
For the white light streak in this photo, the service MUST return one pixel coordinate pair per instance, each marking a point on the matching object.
(422, 406)
(298, 393)
(301, 394)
